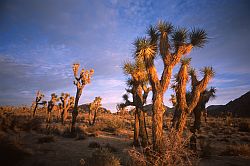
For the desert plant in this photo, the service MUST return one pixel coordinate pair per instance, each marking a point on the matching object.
(171, 44)
(45, 139)
(244, 126)
(201, 106)
(137, 83)
(174, 151)
(237, 150)
(67, 102)
(184, 107)
(52, 107)
(94, 144)
(80, 82)
(37, 102)
(102, 157)
(94, 106)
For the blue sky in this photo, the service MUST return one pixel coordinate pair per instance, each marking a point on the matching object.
(41, 39)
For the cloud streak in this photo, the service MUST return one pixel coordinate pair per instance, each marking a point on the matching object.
(41, 39)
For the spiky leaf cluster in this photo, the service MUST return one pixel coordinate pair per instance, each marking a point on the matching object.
(84, 78)
(96, 103)
(168, 40)
(39, 96)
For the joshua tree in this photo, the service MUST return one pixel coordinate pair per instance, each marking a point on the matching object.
(171, 44)
(80, 82)
(120, 107)
(59, 111)
(39, 97)
(183, 108)
(52, 106)
(94, 106)
(201, 106)
(67, 103)
(139, 90)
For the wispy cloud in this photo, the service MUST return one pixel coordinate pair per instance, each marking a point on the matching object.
(41, 39)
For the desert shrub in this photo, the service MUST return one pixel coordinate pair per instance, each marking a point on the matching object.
(11, 151)
(67, 132)
(94, 144)
(46, 139)
(228, 121)
(206, 149)
(32, 124)
(95, 128)
(237, 150)
(244, 126)
(102, 157)
(110, 148)
(245, 138)
(174, 151)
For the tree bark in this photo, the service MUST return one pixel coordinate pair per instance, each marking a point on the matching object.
(157, 120)
(181, 122)
(197, 119)
(75, 111)
(142, 128)
(34, 112)
(136, 129)
(95, 114)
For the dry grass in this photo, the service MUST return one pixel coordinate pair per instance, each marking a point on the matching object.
(46, 139)
(175, 151)
(244, 126)
(94, 144)
(11, 151)
(237, 150)
(102, 157)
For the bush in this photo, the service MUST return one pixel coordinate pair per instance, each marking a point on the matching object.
(174, 151)
(102, 157)
(11, 152)
(94, 145)
(206, 149)
(46, 139)
(244, 127)
(110, 148)
(237, 150)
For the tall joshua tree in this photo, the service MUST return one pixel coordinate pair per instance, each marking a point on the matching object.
(183, 108)
(67, 102)
(94, 106)
(139, 90)
(171, 44)
(52, 106)
(39, 97)
(201, 106)
(80, 82)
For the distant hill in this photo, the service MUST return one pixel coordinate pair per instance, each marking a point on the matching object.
(148, 109)
(86, 108)
(239, 107)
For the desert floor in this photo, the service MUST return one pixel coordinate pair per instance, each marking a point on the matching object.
(31, 141)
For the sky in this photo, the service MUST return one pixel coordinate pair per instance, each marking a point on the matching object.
(41, 39)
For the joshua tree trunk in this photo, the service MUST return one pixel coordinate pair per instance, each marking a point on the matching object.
(34, 112)
(95, 114)
(181, 122)
(136, 129)
(197, 119)
(49, 117)
(92, 117)
(142, 128)
(157, 121)
(75, 111)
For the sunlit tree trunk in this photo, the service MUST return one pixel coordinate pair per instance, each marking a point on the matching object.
(136, 129)
(75, 111)
(157, 121)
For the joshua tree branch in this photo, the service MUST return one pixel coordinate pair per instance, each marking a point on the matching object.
(201, 86)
